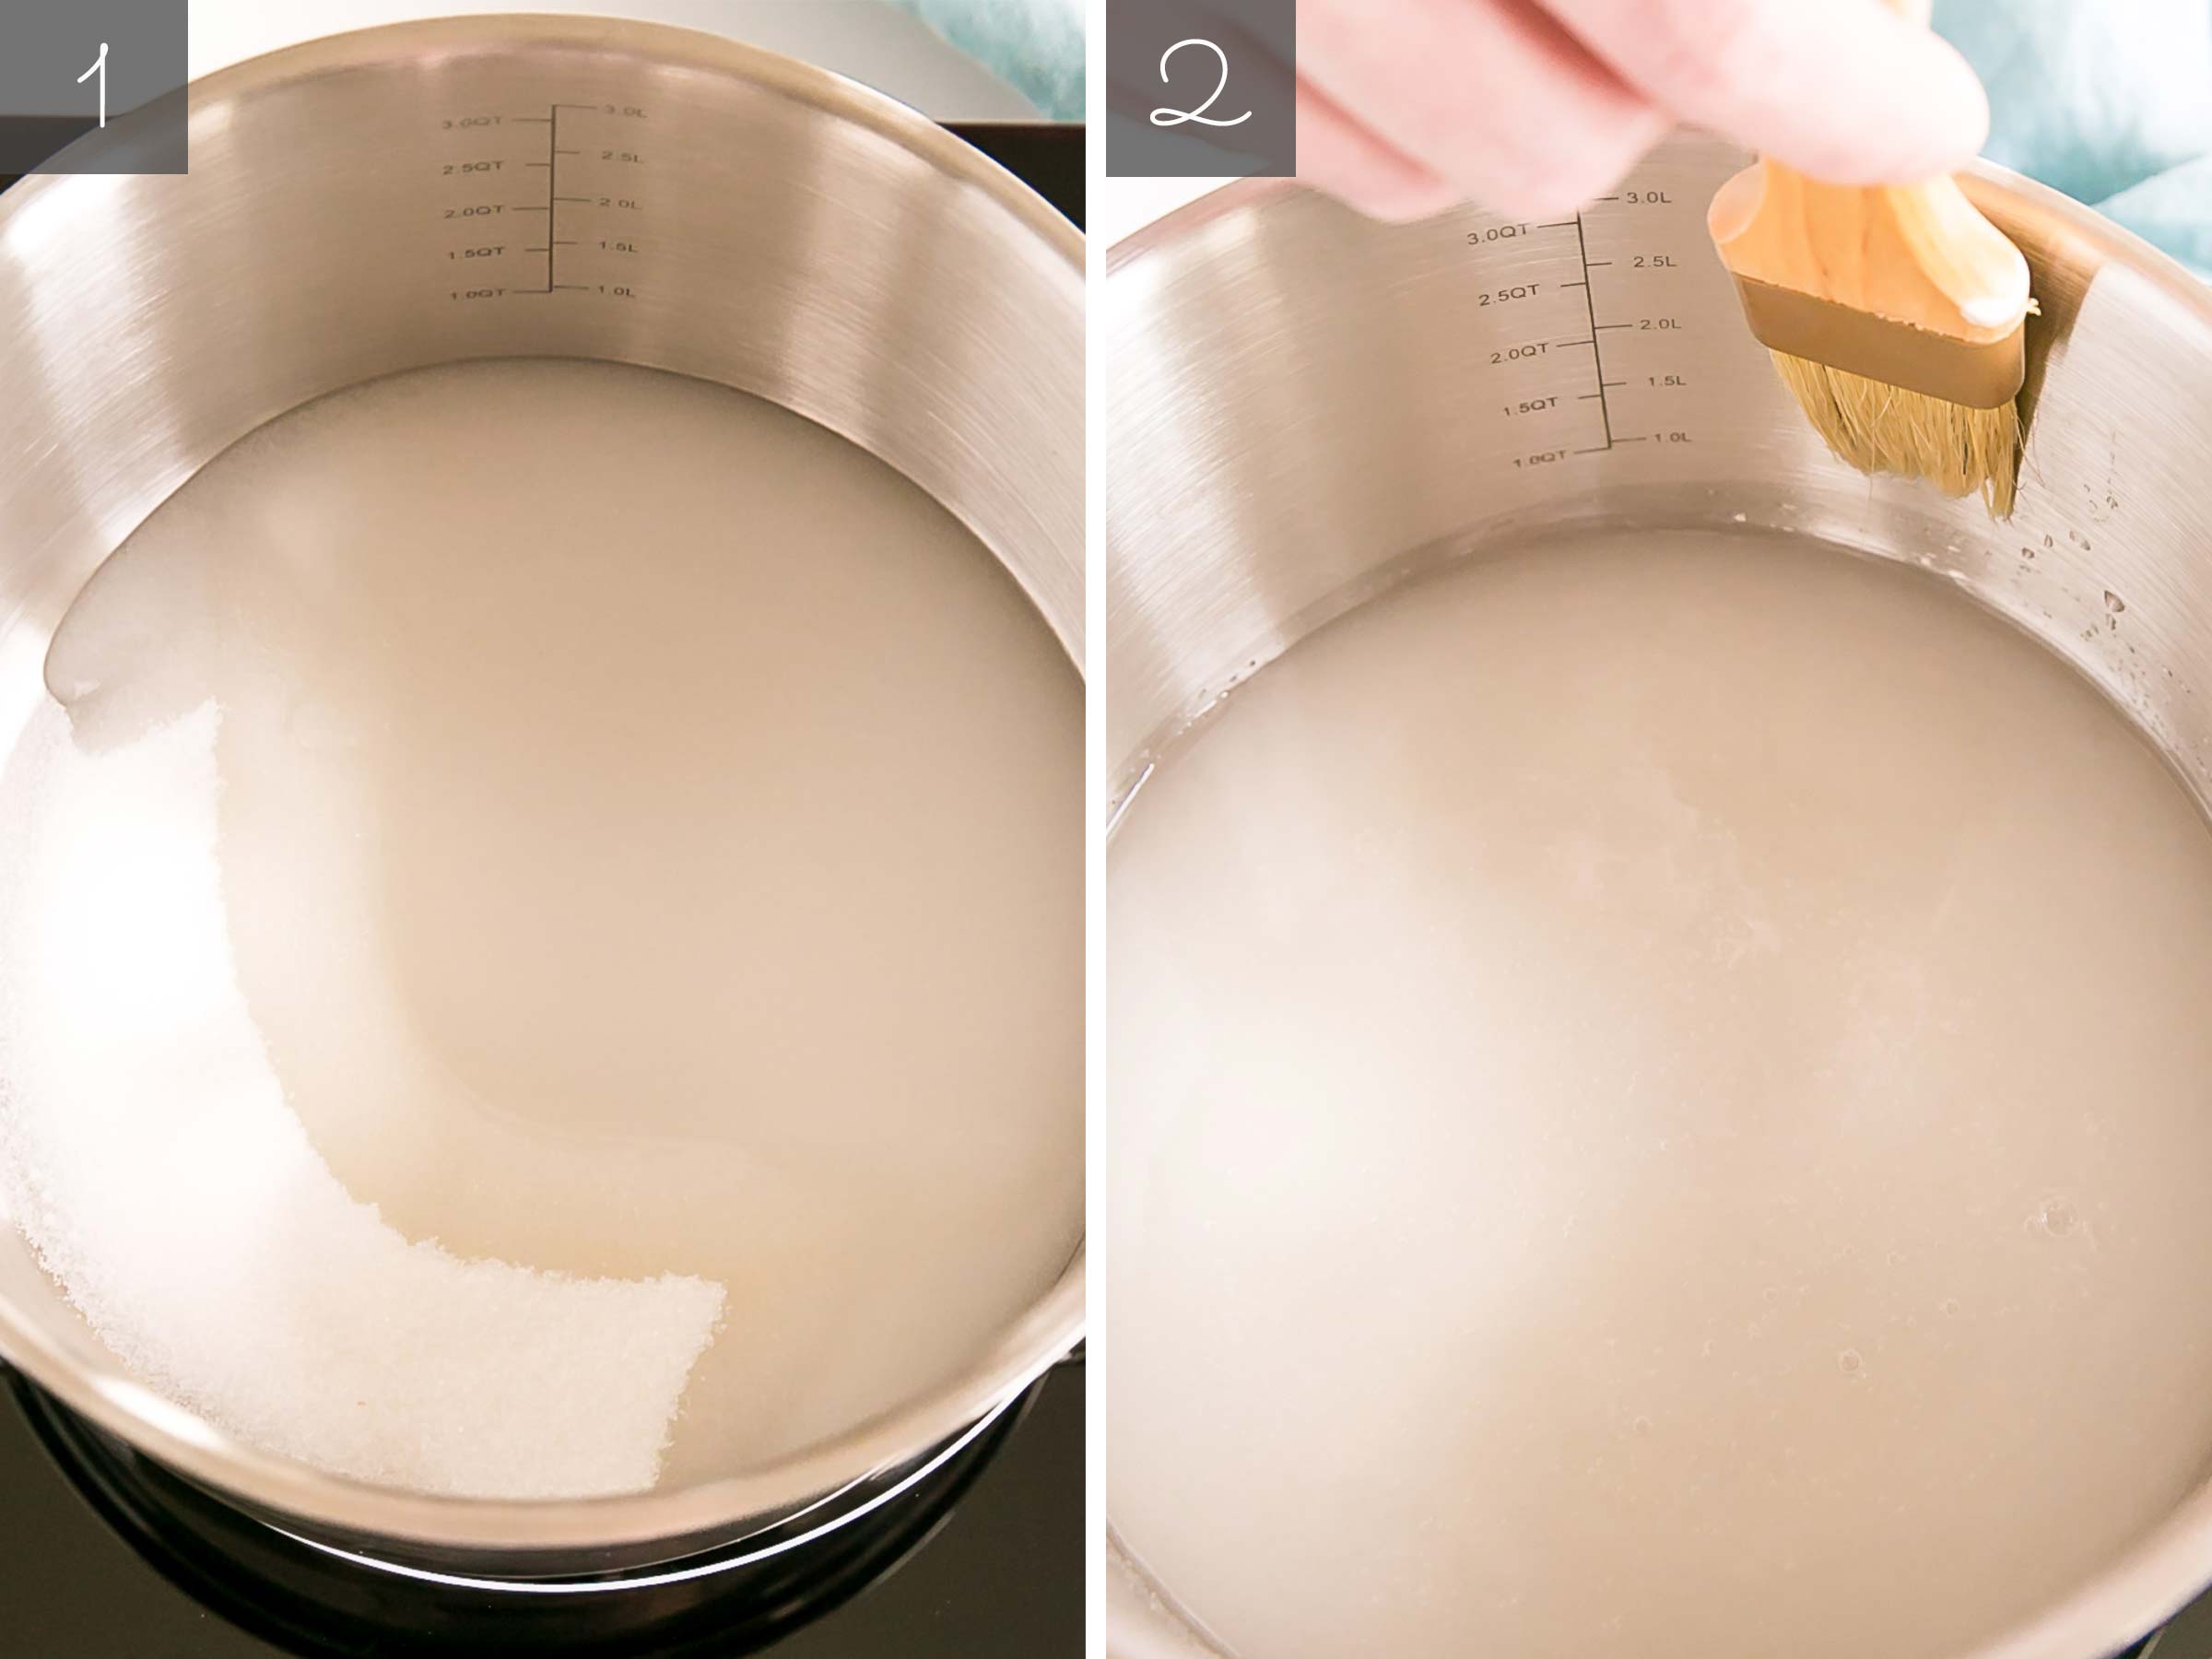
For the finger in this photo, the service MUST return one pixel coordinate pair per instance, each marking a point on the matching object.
(1844, 90)
(1491, 94)
(1337, 154)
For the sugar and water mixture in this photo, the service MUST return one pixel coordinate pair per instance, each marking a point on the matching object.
(1661, 1102)
(545, 948)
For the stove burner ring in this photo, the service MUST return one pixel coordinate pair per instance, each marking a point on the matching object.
(320, 1602)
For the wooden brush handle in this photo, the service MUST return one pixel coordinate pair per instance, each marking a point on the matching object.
(1917, 254)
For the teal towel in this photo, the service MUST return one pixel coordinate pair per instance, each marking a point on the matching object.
(2109, 101)
(1036, 46)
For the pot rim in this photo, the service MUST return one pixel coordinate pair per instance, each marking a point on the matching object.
(2169, 1564)
(709, 1512)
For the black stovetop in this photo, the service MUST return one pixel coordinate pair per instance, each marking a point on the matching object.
(1001, 1577)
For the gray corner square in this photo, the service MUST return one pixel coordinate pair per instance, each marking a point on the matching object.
(66, 64)
(1201, 88)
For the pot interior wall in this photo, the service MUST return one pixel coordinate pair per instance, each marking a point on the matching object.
(1306, 407)
(775, 245)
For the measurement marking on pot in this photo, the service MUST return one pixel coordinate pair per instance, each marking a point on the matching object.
(1597, 355)
(553, 155)
(559, 162)
(1592, 253)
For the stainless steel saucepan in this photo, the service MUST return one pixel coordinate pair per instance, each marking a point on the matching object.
(483, 187)
(1307, 408)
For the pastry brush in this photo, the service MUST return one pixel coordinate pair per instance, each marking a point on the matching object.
(1896, 316)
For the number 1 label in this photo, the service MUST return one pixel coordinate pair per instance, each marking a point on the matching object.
(100, 67)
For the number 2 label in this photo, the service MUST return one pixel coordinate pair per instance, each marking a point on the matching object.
(1167, 117)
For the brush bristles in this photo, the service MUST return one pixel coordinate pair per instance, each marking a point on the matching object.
(1883, 429)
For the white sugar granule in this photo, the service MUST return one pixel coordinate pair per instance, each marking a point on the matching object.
(150, 1158)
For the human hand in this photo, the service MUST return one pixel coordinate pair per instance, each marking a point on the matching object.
(1533, 107)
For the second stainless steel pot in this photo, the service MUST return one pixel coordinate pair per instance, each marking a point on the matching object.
(1307, 408)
